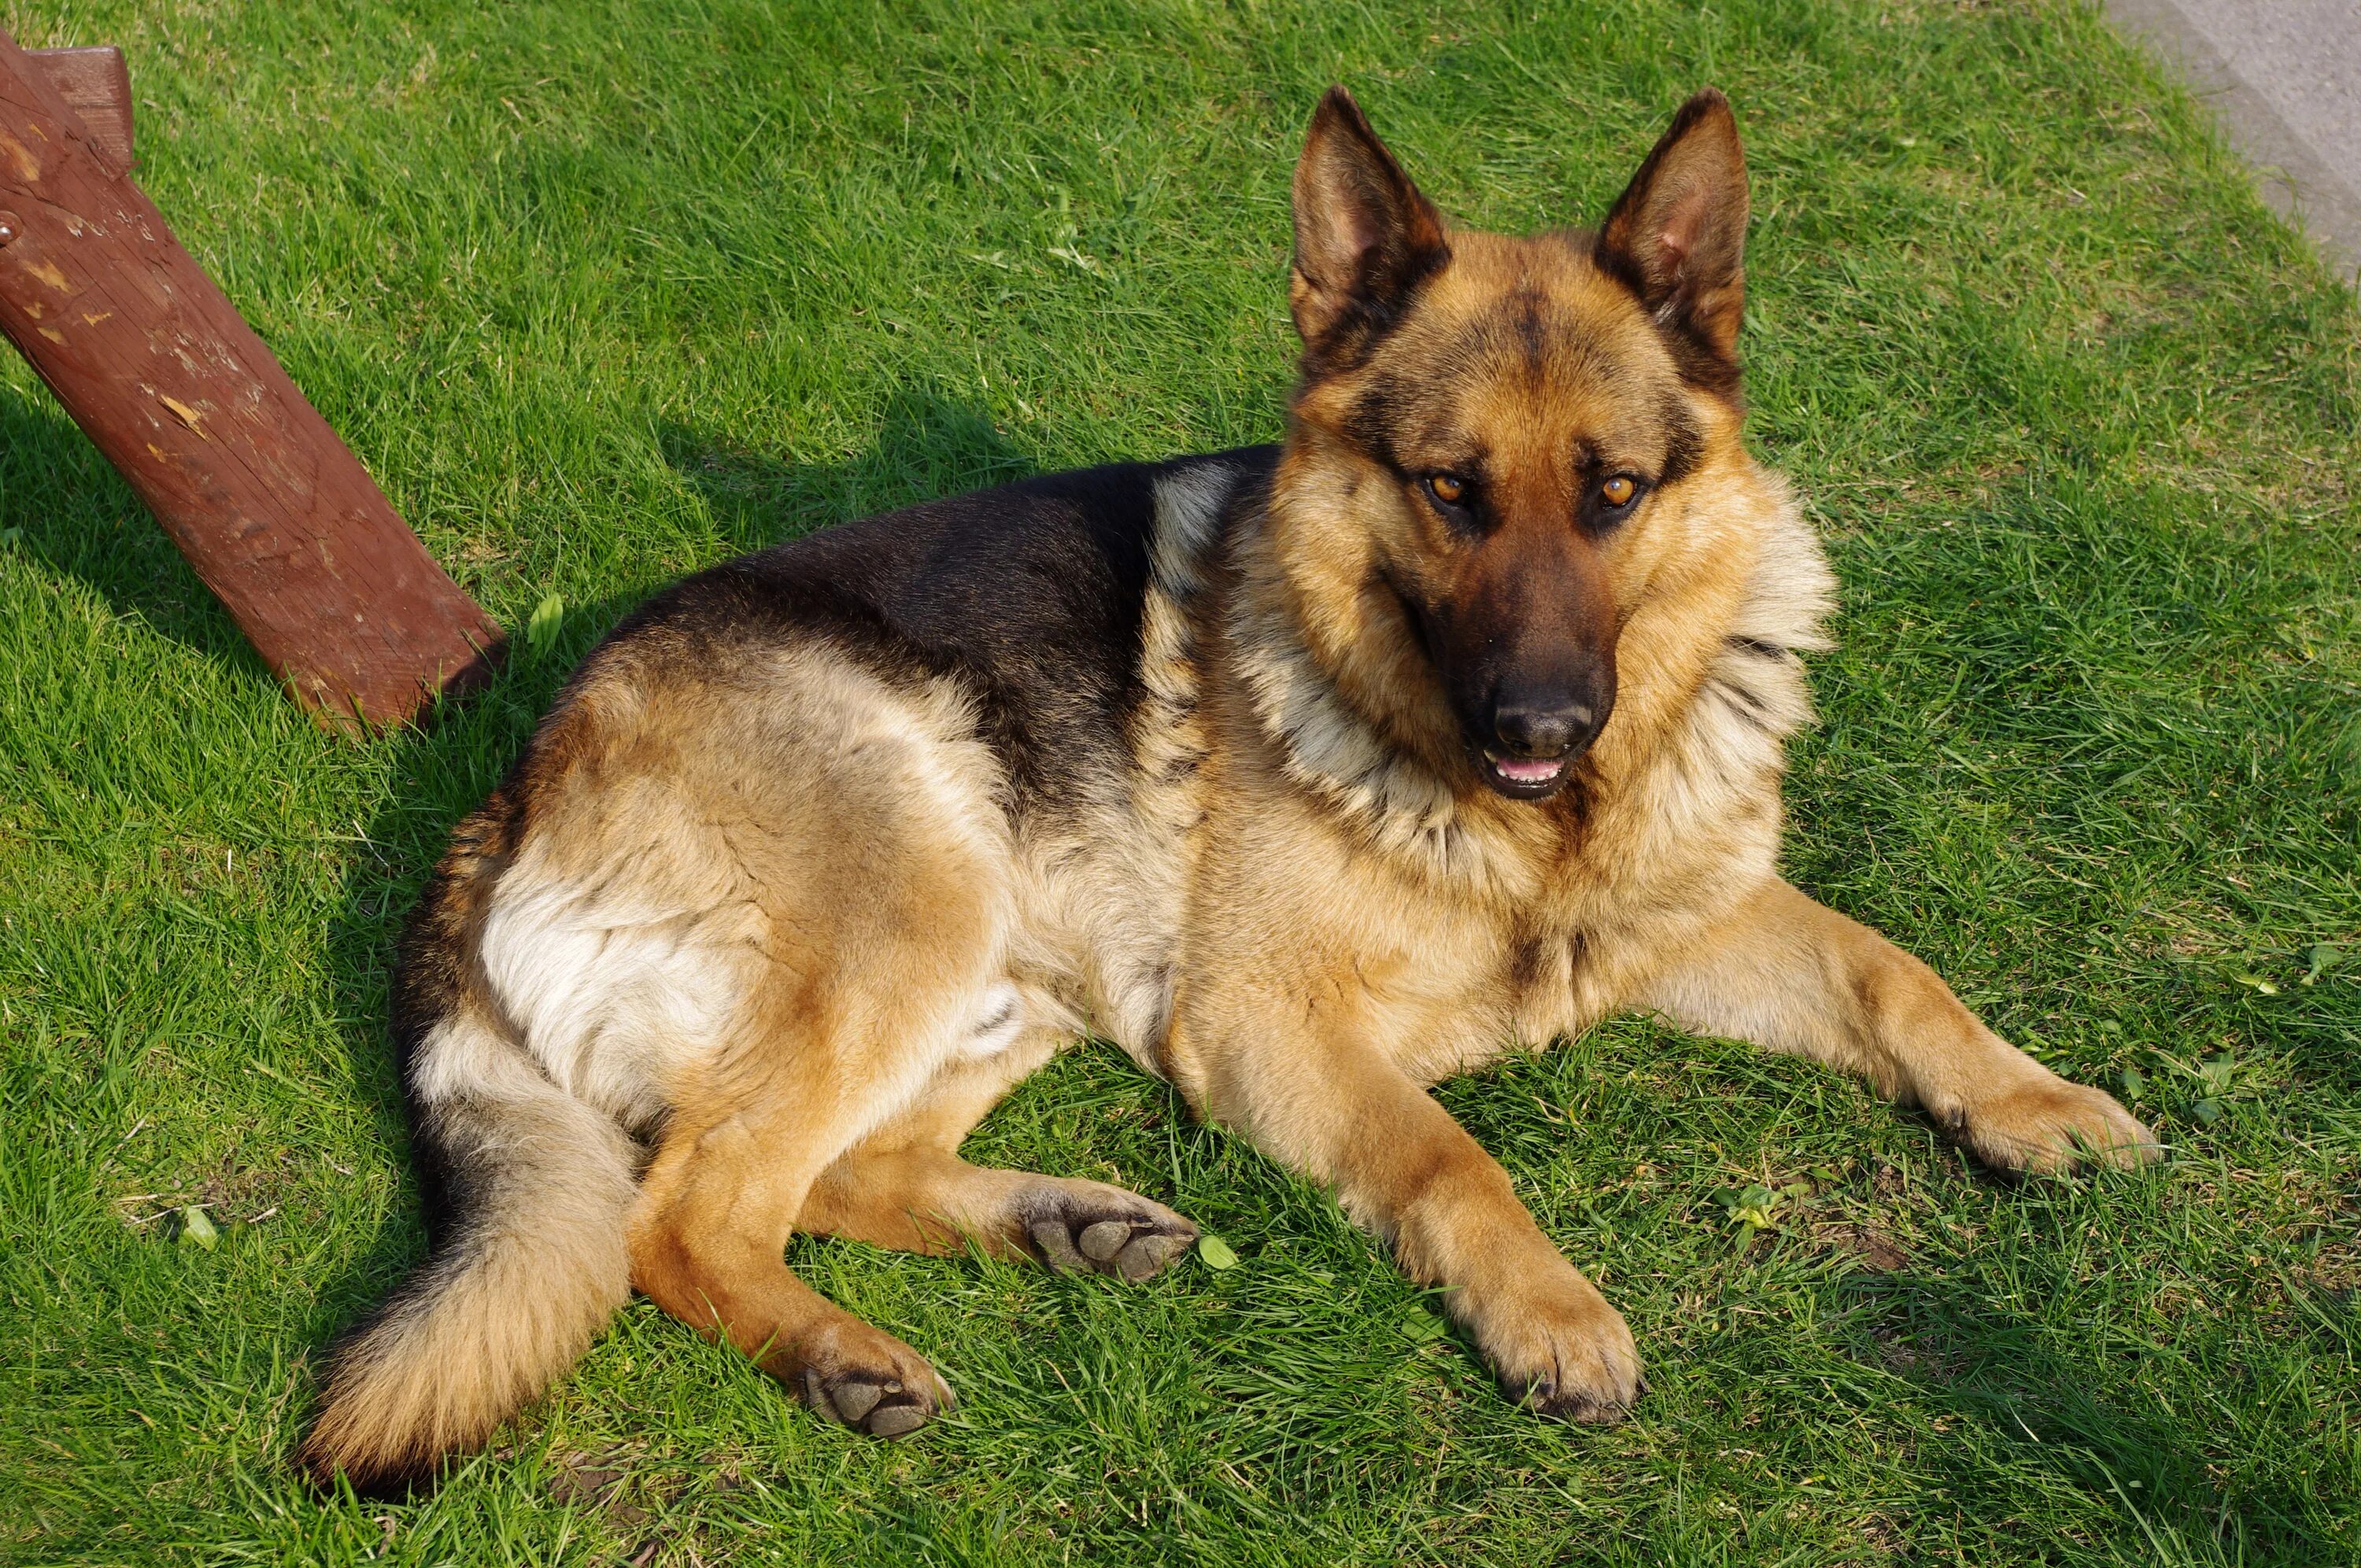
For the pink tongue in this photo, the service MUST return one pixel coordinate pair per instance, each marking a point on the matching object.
(1528, 772)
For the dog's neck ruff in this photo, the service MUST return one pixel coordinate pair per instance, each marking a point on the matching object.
(1325, 744)
(1731, 726)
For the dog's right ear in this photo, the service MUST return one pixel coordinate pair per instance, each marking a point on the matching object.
(1363, 236)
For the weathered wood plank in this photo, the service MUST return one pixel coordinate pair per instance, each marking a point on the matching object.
(168, 381)
(96, 86)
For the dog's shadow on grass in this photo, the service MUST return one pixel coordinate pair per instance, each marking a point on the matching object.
(926, 446)
(67, 509)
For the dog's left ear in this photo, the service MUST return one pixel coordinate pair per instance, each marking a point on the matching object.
(1365, 238)
(1677, 234)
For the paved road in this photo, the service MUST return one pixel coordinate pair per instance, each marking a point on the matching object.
(2285, 78)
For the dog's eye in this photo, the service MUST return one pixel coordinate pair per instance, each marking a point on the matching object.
(1620, 491)
(1448, 489)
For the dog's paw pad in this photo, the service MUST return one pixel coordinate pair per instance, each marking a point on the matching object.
(1102, 1241)
(1149, 1253)
(893, 1421)
(881, 1409)
(1084, 1227)
(875, 1383)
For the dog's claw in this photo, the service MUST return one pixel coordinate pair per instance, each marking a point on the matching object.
(1545, 1398)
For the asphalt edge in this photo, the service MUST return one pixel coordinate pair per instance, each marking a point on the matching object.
(2290, 176)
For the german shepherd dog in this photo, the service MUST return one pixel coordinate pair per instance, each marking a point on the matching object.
(1309, 774)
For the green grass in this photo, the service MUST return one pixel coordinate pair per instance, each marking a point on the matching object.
(603, 292)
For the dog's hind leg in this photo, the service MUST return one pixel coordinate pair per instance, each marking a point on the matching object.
(718, 1205)
(1794, 975)
(905, 1187)
(843, 1030)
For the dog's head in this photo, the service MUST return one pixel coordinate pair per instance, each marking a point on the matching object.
(1492, 432)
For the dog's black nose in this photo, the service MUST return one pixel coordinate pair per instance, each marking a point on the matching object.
(1529, 730)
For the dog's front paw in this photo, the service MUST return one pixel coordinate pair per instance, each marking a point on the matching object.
(1558, 1348)
(2052, 1125)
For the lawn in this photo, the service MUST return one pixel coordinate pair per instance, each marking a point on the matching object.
(602, 292)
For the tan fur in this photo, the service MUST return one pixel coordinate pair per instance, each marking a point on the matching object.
(773, 915)
(768, 915)
(1373, 922)
(501, 1317)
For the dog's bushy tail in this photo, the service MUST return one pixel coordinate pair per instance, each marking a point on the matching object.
(529, 1265)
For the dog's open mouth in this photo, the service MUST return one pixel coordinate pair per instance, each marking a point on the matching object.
(1525, 778)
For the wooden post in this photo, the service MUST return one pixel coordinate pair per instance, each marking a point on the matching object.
(96, 86)
(167, 379)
